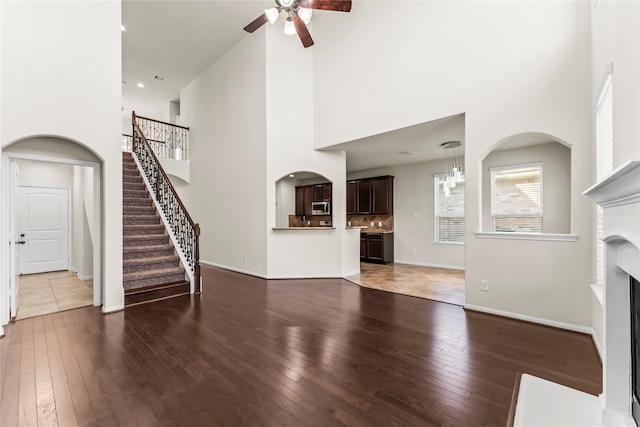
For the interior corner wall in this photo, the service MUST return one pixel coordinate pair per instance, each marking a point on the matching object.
(511, 67)
(82, 214)
(225, 108)
(55, 82)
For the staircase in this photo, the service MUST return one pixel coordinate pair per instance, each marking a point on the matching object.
(151, 268)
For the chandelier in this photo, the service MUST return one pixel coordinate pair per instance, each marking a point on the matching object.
(455, 174)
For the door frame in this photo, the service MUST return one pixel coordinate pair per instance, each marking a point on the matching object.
(69, 212)
(7, 198)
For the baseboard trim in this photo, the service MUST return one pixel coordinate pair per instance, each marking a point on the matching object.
(114, 309)
(276, 277)
(353, 273)
(84, 278)
(237, 270)
(427, 264)
(532, 319)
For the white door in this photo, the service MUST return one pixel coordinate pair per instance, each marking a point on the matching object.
(43, 224)
(13, 233)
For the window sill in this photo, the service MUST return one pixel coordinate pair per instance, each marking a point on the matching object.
(554, 237)
(449, 244)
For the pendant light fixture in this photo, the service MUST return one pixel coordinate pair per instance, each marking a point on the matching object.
(455, 174)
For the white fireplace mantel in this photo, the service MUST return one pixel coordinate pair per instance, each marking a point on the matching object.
(541, 402)
(619, 196)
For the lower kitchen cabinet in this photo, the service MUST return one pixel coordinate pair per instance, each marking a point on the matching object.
(376, 247)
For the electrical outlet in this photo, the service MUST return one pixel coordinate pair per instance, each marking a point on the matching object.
(294, 264)
(244, 258)
(415, 250)
(416, 214)
(379, 223)
(484, 285)
(372, 223)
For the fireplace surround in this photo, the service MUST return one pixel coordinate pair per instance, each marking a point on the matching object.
(619, 196)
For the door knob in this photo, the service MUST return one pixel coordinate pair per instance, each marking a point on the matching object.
(21, 242)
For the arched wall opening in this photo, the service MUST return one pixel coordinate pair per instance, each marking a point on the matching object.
(44, 155)
(520, 199)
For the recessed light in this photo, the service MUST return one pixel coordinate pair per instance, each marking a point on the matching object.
(406, 153)
(140, 84)
(122, 28)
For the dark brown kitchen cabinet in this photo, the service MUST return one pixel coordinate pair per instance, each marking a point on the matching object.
(327, 192)
(363, 200)
(351, 198)
(304, 198)
(382, 195)
(370, 196)
(376, 247)
(322, 192)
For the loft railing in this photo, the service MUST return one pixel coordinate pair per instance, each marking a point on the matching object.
(167, 140)
(185, 230)
(127, 143)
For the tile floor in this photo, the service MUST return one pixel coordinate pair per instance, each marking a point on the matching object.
(47, 293)
(439, 284)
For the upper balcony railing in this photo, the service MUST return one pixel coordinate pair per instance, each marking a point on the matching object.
(168, 141)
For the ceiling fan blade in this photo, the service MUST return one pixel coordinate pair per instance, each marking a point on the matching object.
(303, 31)
(256, 23)
(337, 5)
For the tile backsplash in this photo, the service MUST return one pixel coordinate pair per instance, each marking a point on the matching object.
(313, 221)
(365, 221)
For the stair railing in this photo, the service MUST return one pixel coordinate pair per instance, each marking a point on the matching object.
(185, 230)
(167, 140)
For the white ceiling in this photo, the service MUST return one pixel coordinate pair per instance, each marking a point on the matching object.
(179, 39)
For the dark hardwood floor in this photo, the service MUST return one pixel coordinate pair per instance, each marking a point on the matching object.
(251, 352)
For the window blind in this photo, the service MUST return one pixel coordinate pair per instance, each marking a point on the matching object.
(516, 202)
(449, 215)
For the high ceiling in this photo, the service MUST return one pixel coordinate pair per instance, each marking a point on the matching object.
(177, 40)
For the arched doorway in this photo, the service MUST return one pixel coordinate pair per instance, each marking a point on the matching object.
(46, 158)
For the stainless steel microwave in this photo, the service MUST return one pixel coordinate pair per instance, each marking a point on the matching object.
(321, 208)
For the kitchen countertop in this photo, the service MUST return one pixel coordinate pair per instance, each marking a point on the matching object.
(373, 230)
(303, 228)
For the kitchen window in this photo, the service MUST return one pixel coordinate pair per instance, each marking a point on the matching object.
(449, 211)
(516, 198)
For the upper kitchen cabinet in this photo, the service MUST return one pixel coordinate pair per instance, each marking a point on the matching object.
(370, 196)
(363, 199)
(382, 195)
(351, 198)
(322, 192)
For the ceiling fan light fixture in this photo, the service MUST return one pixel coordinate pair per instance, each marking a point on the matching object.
(289, 28)
(305, 14)
(272, 14)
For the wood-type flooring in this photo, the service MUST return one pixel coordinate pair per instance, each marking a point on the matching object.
(251, 352)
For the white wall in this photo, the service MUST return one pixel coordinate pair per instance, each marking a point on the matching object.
(511, 67)
(556, 185)
(413, 192)
(616, 39)
(225, 108)
(82, 243)
(290, 92)
(44, 174)
(56, 82)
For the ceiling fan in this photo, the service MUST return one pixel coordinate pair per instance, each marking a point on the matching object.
(298, 13)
